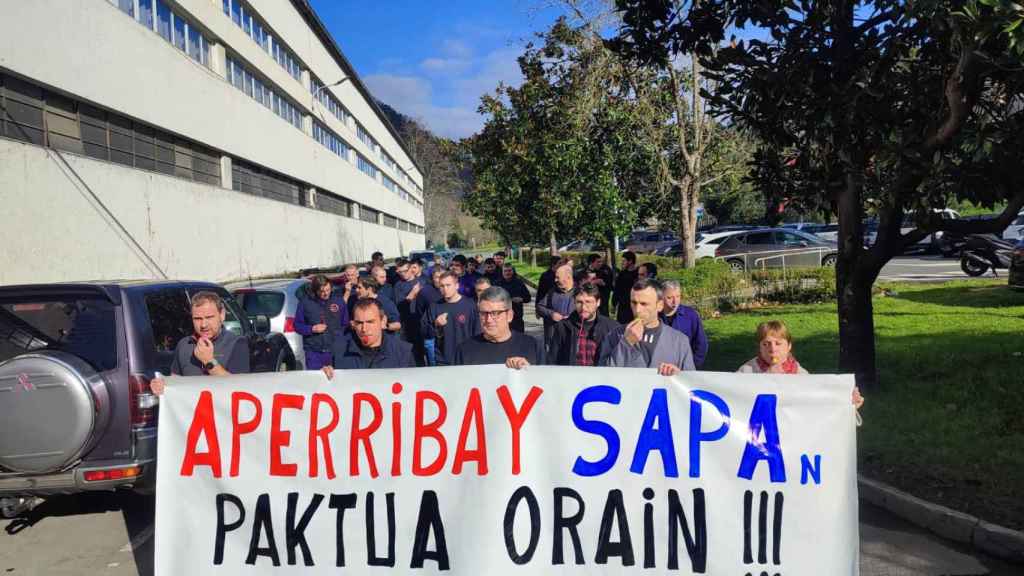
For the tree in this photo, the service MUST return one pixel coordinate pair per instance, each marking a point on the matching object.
(560, 155)
(887, 106)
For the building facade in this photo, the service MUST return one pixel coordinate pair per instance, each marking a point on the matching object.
(213, 139)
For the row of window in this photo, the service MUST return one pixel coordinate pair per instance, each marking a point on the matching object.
(331, 141)
(157, 16)
(35, 115)
(245, 17)
(240, 77)
(30, 113)
(366, 166)
(180, 32)
(323, 95)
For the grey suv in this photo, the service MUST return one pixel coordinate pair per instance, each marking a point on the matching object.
(76, 411)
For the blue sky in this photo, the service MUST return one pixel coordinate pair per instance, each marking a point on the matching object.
(433, 60)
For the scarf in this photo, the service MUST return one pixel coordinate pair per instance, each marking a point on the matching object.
(790, 366)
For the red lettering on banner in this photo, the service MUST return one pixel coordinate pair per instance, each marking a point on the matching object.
(320, 434)
(516, 417)
(238, 428)
(431, 430)
(396, 432)
(474, 416)
(281, 438)
(362, 435)
(202, 423)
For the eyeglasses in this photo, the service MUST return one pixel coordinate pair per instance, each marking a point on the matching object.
(492, 315)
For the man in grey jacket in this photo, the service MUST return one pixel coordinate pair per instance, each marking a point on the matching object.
(646, 342)
(558, 303)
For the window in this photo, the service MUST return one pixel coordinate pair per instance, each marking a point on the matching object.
(260, 302)
(127, 6)
(759, 239)
(170, 318)
(163, 20)
(367, 167)
(257, 181)
(328, 202)
(367, 214)
(179, 33)
(247, 19)
(790, 239)
(81, 326)
(146, 13)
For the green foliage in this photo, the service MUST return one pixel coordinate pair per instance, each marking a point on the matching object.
(794, 285)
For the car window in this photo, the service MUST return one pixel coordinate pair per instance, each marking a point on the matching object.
(84, 327)
(790, 239)
(266, 302)
(1019, 221)
(233, 316)
(170, 318)
(759, 239)
(718, 240)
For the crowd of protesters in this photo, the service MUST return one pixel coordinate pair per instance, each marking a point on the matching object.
(417, 314)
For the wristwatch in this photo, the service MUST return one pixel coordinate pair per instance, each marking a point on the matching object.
(211, 365)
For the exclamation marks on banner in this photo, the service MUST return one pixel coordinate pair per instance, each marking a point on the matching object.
(762, 530)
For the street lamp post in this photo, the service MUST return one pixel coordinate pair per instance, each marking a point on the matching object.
(316, 93)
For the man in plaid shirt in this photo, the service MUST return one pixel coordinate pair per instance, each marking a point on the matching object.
(576, 340)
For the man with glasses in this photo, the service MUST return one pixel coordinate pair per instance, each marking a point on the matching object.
(497, 343)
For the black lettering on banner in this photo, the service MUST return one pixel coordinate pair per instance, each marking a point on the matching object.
(697, 541)
(762, 528)
(222, 528)
(261, 522)
(522, 493)
(614, 511)
(571, 524)
(648, 529)
(429, 520)
(371, 535)
(295, 534)
(340, 502)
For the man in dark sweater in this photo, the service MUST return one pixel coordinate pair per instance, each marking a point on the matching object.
(497, 343)
(547, 280)
(602, 279)
(684, 319)
(577, 339)
(450, 321)
(558, 303)
(623, 286)
(367, 345)
(520, 294)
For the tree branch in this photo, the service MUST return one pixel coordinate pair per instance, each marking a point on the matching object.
(961, 94)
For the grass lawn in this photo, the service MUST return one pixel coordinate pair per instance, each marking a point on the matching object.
(947, 423)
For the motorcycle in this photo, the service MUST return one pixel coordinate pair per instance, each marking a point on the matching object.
(982, 252)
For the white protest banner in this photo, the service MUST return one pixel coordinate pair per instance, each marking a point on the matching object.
(486, 470)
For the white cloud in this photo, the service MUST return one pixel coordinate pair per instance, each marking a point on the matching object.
(412, 96)
(456, 49)
(444, 66)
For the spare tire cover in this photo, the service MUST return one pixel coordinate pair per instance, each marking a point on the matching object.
(53, 406)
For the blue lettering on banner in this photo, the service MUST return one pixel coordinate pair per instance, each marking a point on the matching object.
(608, 395)
(698, 398)
(808, 469)
(762, 418)
(656, 438)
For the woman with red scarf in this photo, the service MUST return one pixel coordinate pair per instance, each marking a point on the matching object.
(775, 356)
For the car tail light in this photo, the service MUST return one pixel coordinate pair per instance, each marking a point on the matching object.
(112, 474)
(718, 250)
(289, 324)
(142, 401)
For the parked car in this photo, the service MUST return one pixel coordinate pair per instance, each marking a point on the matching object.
(828, 232)
(1015, 230)
(277, 300)
(581, 246)
(776, 248)
(704, 245)
(76, 360)
(426, 256)
(928, 243)
(648, 242)
(1017, 266)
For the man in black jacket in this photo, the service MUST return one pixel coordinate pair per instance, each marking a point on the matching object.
(520, 294)
(623, 286)
(576, 341)
(367, 345)
(602, 278)
(547, 279)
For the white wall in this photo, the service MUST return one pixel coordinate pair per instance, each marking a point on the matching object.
(104, 57)
(53, 231)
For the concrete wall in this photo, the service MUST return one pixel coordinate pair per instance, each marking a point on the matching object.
(55, 231)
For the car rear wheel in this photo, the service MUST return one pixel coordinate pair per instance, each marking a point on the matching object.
(829, 261)
(282, 362)
(736, 266)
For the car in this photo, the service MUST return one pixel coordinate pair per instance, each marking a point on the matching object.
(1015, 230)
(277, 299)
(426, 256)
(1017, 266)
(76, 359)
(775, 248)
(704, 245)
(928, 243)
(828, 232)
(648, 242)
(580, 246)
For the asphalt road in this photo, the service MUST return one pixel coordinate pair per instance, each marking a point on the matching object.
(925, 268)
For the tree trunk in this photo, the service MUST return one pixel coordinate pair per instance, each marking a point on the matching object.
(687, 221)
(554, 243)
(854, 277)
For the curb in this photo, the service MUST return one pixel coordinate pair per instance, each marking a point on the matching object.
(991, 539)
